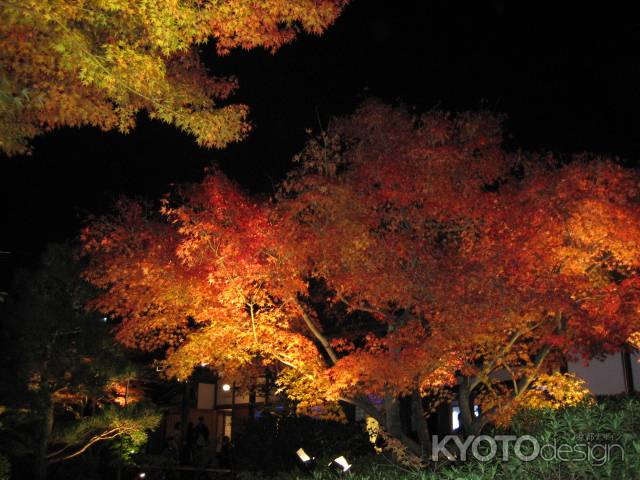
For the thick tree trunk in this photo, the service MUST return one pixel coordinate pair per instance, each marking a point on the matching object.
(43, 439)
(471, 424)
(390, 419)
(393, 419)
(467, 419)
(420, 422)
(393, 425)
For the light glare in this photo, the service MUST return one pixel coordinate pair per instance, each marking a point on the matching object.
(342, 462)
(303, 455)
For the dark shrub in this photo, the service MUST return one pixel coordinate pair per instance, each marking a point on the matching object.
(269, 444)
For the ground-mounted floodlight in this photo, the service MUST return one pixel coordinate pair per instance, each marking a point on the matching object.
(308, 462)
(142, 475)
(340, 464)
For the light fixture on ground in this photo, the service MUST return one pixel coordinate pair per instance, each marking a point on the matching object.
(340, 464)
(142, 475)
(308, 462)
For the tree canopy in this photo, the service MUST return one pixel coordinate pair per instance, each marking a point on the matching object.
(101, 62)
(404, 256)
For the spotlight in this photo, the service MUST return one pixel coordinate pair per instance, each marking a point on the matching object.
(142, 475)
(341, 465)
(226, 387)
(308, 462)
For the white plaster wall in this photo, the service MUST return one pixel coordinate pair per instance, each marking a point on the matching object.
(604, 377)
(206, 396)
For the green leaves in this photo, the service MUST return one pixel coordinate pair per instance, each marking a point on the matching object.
(120, 426)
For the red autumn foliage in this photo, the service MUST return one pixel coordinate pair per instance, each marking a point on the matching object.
(451, 260)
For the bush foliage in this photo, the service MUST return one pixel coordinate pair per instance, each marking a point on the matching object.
(269, 444)
(613, 421)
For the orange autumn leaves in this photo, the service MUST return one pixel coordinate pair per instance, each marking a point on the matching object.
(446, 255)
(200, 284)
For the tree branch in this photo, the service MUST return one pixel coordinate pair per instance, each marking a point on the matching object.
(108, 435)
(318, 335)
(365, 405)
(363, 308)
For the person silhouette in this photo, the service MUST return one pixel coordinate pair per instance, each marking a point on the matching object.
(201, 434)
(225, 453)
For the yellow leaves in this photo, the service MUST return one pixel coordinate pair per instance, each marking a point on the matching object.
(210, 128)
(548, 391)
(372, 427)
(361, 244)
(117, 57)
(122, 65)
(556, 390)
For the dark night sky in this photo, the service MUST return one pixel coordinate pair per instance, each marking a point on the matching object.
(567, 77)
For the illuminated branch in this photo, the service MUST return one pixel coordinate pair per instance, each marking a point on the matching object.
(318, 335)
(526, 380)
(366, 406)
(486, 370)
(363, 308)
(108, 435)
(253, 323)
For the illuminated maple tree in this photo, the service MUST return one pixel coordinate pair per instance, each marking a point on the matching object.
(515, 261)
(569, 254)
(203, 284)
(101, 62)
(404, 257)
